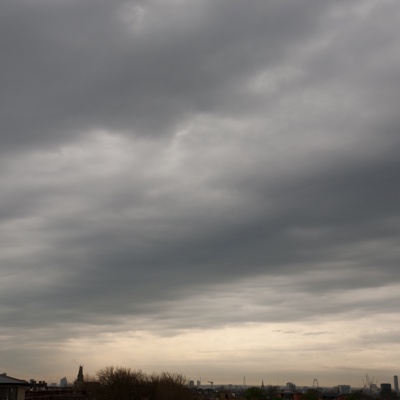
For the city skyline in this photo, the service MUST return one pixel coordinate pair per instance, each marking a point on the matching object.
(367, 382)
(208, 187)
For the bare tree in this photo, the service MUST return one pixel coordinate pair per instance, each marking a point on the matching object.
(118, 383)
(169, 386)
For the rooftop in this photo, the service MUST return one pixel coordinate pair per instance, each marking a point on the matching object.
(8, 380)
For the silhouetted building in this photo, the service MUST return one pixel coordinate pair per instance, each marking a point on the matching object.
(344, 389)
(63, 382)
(396, 384)
(290, 386)
(12, 388)
(386, 388)
(79, 378)
(37, 385)
(79, 384)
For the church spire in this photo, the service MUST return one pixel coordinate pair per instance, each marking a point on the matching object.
(80, 374)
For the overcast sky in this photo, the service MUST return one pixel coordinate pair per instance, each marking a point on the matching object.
(208, 187)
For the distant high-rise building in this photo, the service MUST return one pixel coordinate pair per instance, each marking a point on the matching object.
(344, 389)
(290, 387)
(396, 384)
(63, 382)
(386, 387)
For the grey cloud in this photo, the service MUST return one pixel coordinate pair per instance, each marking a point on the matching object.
(157, 158)
(186, 248)
(72, 66)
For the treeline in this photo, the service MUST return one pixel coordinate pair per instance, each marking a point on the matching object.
(119, 383)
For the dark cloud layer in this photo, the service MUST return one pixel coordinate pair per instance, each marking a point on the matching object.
(165, 160)
(137, 67)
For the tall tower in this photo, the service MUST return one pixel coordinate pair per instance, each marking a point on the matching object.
(80, 374)
(396, 384)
